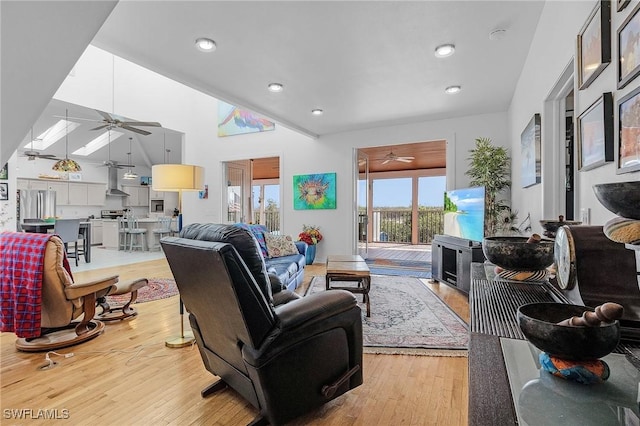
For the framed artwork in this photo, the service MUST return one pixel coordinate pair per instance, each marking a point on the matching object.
(622, 4)
(237, 121)
(4, 172)
(314, 192)
(629, 127)
(204, 194)
(595, 134)
(4, 191)
(594, 44)
(531, 150)
(629, 48)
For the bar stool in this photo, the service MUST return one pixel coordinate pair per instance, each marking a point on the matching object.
(122, 234)
(163, 229)
(137, 234)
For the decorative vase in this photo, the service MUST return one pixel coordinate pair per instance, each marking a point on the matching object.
(310, 254)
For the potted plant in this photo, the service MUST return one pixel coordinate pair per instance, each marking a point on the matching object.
(490, 166)
(311, 235)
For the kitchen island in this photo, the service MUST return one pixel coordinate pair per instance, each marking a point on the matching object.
(110, 236)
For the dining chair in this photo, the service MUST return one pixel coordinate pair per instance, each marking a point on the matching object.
(69, 230)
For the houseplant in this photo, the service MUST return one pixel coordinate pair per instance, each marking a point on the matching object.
(311, 235)
(490, 166)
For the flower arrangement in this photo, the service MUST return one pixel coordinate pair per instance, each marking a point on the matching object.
(310, 234)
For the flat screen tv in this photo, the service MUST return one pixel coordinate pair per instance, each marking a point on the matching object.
(464, 213)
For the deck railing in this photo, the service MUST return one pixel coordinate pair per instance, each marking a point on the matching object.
(396, 225)
(271, 220)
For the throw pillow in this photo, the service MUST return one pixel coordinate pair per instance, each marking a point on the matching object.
(280, 245)
(259, 232)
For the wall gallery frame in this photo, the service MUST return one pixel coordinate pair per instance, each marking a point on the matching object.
(629, 48)
(4, 191)
(233, 120)
(594, 44)
(629, 128)
(4, 172)
(622, 4)
(595, 134)
(531, 151)
(314, 192)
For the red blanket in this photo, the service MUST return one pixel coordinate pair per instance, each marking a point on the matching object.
(21, 269)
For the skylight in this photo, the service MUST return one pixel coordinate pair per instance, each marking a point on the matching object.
(97, 143)
(52, 135)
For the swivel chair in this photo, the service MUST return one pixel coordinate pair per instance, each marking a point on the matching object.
(285, 360)
(41, 303)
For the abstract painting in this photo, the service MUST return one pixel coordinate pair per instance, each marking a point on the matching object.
(314, 192)
(531, 153)
(236, 121)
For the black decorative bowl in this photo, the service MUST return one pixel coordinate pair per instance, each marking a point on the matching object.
(551, 226)
(516, 254)
(621, 198)
(538, 322)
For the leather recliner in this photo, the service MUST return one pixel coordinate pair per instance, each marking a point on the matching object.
(285, 360)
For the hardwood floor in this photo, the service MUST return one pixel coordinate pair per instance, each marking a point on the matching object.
(128, 376)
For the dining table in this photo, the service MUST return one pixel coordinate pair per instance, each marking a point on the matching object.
(43, 227)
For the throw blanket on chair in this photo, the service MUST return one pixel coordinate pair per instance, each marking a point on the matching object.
(22, 264)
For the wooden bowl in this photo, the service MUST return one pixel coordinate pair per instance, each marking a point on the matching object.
(538, 322)
(516, 254)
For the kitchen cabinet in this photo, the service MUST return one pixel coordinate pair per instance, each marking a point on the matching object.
(110, 233)
(138, 195)
(69, 193)
(162, 202)
(96, 231)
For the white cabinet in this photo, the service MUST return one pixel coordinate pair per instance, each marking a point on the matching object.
(87, 194)
(96, 231)
(110, 234)
(61, 188)
(138, 195)
(162, 202)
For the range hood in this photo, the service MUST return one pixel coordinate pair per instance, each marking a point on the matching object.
(113, 184)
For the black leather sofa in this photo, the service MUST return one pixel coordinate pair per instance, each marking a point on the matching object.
(284, 358)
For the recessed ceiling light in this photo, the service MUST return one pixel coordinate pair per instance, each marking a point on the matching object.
(452, 89)
(317, 111)
(275, 87)
(204, 44)
(445, 50)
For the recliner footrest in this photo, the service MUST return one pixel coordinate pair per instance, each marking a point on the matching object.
(121, 312)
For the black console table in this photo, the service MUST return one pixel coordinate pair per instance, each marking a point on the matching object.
(452, 258)
(493, 305)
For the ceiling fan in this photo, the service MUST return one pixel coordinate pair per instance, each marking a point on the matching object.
(33, 154)
(111, 122)
(393, 157)
(112, 164)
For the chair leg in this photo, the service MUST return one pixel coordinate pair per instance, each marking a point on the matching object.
(259, 421)
(213, 388)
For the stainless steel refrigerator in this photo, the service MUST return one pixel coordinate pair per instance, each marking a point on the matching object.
(36, 204)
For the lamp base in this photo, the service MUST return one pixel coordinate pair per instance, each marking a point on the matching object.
(180, 341)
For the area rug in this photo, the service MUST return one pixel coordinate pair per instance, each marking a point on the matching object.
(158, 288)
(407, 318)
(396, 267)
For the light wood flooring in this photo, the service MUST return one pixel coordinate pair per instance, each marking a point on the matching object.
(127, 376)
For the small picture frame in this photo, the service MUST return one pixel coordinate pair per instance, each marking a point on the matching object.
(629, 48)
(531, 152)
(4, 191)
(4, 172)
(595, 134)
(629, 132)
(594, 44)
(75, 177)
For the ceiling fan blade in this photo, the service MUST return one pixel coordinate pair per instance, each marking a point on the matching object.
(76, 118)
(133, 129)
(101, 127)
(141, 123)
(105, 115)
(386, 161)
(403, 160)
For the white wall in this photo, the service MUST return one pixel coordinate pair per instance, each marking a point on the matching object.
(553, 47)
(146, 95)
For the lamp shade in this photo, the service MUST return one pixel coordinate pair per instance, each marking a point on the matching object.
(177, 177)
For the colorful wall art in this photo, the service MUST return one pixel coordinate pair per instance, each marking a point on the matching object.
(236, 121)
(311, 192)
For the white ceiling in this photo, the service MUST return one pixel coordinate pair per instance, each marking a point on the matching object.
(365, 63)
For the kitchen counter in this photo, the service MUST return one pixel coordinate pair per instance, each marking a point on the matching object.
(110, 231)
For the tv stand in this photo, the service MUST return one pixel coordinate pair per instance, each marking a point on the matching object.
(451, 260)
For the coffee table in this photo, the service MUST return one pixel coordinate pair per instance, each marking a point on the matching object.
(349, 268)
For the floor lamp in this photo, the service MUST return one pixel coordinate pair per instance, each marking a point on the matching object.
(178, 178)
